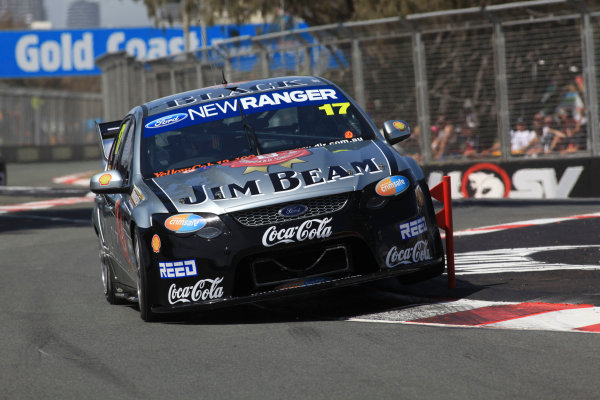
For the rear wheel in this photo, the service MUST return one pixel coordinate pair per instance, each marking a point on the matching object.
(142, 284)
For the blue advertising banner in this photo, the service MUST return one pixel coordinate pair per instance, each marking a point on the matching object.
(28, 54)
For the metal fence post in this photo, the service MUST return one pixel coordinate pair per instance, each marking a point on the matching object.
(357, 74)
(172, 81)
(264, 61)
(307, 68)
(590, 93)
(199, 76)
(502, 109)
(422, 95)
(144, 81)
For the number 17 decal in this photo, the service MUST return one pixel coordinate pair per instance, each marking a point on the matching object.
(328, 108)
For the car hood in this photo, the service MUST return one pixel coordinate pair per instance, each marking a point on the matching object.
(278, 177)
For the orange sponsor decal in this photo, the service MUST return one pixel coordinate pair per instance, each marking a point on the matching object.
(156, 243)
(399, 125)
(348, 135)
(392, 185)
(105, 179)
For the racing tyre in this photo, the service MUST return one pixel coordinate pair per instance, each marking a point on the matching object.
(142, 284)
(109, 289)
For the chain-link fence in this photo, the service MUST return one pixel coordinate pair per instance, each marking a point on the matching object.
(507, 81)
(35, 117)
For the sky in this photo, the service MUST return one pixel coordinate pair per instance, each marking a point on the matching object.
(113, 13)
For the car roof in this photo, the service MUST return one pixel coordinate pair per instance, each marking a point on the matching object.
(228, 90)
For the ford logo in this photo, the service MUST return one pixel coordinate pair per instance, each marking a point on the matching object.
(392, 186)
(294, 210)
(166, 120)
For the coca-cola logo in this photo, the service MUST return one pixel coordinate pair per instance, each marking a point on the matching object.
(205, 289)
(418, 253)
(308, 230)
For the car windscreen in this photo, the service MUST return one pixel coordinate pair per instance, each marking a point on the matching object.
(229, 129)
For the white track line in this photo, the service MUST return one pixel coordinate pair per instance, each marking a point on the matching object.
(45, 204)
(79, 179)
(522, 224)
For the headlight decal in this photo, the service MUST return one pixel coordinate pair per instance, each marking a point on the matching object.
(185, 223)
(392, 186)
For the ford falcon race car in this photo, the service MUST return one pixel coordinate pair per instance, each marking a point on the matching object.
(244, 192)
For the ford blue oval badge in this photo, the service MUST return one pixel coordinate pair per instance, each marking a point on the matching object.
(293, 210)
(166, 120)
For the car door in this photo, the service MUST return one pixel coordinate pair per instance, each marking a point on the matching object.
(117, 208)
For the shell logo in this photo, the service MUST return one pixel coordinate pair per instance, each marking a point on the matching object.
(392, 186)
(185, 223)
(105, 179)
(349, 135)
(399, 125)
(155, 243)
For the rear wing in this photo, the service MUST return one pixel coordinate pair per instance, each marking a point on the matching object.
(107, 132)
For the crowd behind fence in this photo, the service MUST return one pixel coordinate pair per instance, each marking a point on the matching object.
(36, 117)
(508, 81)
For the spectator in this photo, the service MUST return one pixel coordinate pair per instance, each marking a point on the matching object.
(468, 141)
(493, 150)
(574, 140)
(538, 123)
(445, 138)
(521, 138)
(572, 104)
(548, 138)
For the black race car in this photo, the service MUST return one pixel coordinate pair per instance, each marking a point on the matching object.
(243, 192)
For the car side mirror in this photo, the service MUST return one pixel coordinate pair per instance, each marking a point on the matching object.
(395, 131)
(106, 182)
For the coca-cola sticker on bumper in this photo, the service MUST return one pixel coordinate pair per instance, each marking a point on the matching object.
(410, 255)
(204, 289)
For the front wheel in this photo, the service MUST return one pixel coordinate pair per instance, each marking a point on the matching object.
(142, 284)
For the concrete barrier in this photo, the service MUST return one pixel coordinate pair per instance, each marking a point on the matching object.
(534, 178)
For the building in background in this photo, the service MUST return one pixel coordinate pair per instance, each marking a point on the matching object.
(83, 14)
(26, 11)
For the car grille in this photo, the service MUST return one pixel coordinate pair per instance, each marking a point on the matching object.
(270, 214)
(312, 262)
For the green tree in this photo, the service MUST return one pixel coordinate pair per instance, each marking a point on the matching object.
(190, 11)
(314, 12)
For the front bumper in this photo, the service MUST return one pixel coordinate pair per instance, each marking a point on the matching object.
(240, 265)
(433, 268)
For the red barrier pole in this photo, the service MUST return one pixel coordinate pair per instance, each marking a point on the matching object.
(449, 231)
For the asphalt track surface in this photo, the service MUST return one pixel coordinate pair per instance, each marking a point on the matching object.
(61, 339)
